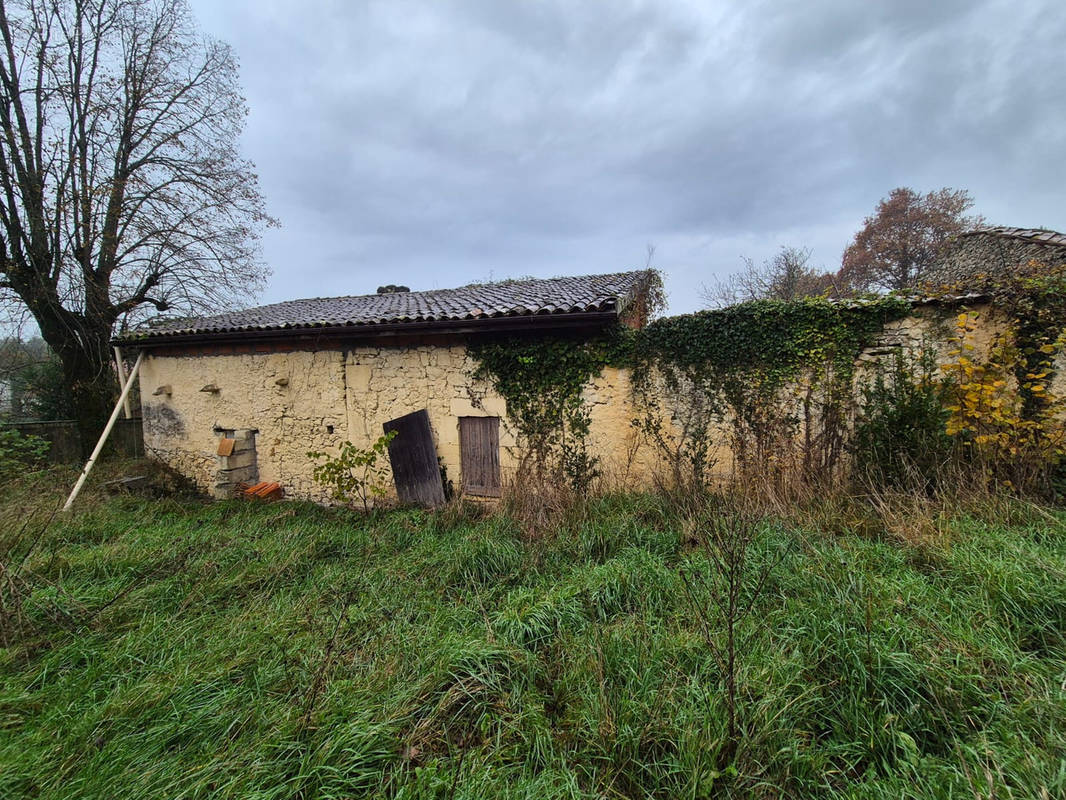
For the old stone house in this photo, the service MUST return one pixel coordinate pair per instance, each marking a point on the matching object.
(285, 379)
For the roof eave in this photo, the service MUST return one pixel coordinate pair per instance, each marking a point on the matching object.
(460, 327)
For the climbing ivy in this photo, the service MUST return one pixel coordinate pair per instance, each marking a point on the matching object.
(542, 379)
(735, 364)
(1033, 299)
(776, 338)
(736, 357)
(767, 369)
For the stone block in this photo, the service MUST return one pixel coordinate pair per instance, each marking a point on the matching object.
(245, 458)
(243, 441)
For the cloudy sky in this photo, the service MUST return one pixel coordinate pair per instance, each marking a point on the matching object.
(437, 142)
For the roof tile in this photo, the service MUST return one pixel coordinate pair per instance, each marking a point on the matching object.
(478, 301)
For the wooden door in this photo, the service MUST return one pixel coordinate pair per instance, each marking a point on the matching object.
(414, 460)
(479, 446)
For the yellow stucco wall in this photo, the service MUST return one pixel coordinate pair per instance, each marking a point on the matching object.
(387, 382)
(182, 428)
(315, 400)
(329, 396)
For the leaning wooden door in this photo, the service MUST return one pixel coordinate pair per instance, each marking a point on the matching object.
(479, 446)
(414, 460)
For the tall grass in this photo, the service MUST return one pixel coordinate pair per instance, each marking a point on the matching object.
(177, 649)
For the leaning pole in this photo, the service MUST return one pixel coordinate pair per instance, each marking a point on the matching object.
(103, 436)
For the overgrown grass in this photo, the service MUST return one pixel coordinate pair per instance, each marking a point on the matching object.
(171, 649)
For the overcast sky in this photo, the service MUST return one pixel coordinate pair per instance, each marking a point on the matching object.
(438, 142)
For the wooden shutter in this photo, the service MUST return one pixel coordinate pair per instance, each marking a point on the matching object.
(414, 460)
(479, 445)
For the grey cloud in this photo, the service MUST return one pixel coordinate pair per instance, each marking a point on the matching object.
(433, 143)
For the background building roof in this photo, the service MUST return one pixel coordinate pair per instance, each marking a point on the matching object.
(994, 250)
(1031, 235)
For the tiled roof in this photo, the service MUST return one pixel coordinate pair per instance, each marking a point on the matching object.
(1033, 235)
(552, 296)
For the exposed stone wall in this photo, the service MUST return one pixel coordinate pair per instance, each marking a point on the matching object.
(309, 400)
(302, 400)
(625, 459)
(387, 382)
(934, 327)
(979, 254)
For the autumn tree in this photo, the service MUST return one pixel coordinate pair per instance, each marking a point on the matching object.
(122, 191)
(788, 275)
(904, 238)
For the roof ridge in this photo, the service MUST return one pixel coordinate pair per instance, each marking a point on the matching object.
(1035, 235)
(502, 282)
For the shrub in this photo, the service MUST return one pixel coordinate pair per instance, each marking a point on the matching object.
(355, 474)
(901, 436)
(1003, 410)
(17, 452)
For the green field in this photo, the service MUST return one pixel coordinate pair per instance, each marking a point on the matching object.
(166, 648)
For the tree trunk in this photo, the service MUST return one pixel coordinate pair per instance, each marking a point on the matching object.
(89, 379)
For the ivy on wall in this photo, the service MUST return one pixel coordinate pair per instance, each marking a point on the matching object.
(1033, 299)
(777, 338)
(735, 364)
(1001, 407)
(779, 374)
(737, 357)
(542, 379)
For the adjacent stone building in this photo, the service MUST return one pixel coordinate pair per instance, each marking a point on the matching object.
(996, 250)
(282, 380)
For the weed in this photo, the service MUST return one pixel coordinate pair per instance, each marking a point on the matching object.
(355, 474)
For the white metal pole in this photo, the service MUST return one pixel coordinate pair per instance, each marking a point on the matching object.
(122, 382)
(103, 436)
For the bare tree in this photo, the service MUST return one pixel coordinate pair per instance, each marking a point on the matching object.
(904, 238)
(786, 276)
(122, 192)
